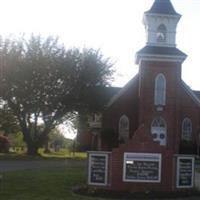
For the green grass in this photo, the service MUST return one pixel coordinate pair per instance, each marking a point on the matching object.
(54, 184)
(62, 154)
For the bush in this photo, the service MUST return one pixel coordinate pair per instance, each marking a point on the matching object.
(4, 144)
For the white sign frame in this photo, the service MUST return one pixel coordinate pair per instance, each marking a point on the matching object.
(178, 174)
(106, 168)
(142, 157)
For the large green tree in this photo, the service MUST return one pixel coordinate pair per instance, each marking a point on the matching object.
(43, 83)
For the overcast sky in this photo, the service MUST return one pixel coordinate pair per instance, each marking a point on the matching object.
(114, 26)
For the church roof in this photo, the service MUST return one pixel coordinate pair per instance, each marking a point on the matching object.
(197, 93)
(162, 7)
(101, 96)
(193, 94)
(155, 50)
(121, 92)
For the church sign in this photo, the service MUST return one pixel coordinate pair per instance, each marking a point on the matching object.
(142, 167)
(185, 172)
(98, 168)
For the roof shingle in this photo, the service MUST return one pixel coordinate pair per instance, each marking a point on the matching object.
(162, 7)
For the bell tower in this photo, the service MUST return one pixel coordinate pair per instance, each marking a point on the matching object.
(160, 64)
(160, 24)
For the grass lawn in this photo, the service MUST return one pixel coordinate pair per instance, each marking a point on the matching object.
(52, 184)
(62, 154)
(55, 184)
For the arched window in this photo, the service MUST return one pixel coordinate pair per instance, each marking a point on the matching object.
(161, 33)
(159, 130)
(123, 129)
(160, 90)
(186, 129)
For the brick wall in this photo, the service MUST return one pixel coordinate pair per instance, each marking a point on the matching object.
(142, 143)
(137, 102)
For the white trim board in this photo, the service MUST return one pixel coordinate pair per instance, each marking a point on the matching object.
(156, 57)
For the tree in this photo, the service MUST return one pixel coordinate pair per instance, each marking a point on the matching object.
(4, 144)
(8, 122)
(57, 140)
(43, 83)
(16, 140)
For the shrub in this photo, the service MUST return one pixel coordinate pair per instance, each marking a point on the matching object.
(4, 144)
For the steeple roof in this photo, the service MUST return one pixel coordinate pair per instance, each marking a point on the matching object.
(164, 7)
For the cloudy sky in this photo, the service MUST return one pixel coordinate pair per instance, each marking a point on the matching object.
(114, 26)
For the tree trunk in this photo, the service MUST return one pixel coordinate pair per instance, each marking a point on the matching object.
(32, 149)
(46, 147)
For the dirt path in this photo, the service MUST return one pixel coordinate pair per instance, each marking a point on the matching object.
(37, 164)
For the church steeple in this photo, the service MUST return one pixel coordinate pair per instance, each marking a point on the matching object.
(160, 24)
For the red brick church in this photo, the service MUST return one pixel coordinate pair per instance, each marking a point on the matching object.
(157, 103)
(154, 120)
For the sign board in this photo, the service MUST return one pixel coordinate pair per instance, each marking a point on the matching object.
(142, 167)
(98, 169)
(185, 172)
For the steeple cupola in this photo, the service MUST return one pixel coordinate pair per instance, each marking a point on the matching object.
(160, 24)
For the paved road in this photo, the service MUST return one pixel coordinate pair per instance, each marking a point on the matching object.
(36, 164)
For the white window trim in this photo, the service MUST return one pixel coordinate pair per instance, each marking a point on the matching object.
(186, 118)
(164, 127)
(140, 157)
(156, 92)
(119, 124)
(163, 31)
(123, 117)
